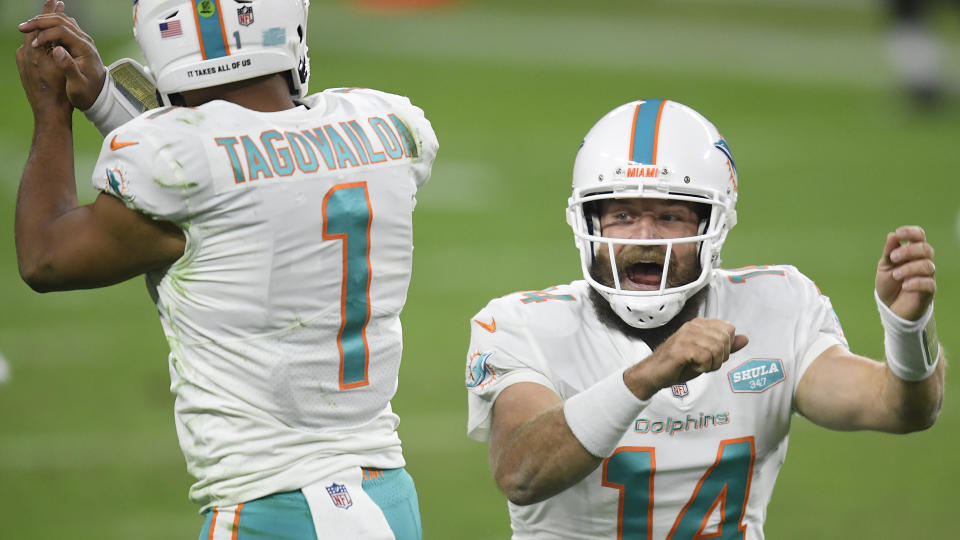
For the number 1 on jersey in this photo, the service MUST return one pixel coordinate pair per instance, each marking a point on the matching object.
(347, 217)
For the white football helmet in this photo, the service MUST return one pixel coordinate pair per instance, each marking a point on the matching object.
(191, 44)
(652, 149)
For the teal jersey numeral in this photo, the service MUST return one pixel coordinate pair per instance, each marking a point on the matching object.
(726, 485)
(347, 217)
(630, 469)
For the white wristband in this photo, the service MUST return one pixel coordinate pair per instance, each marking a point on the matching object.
(127, 91)
(601, 414)
(911, 346)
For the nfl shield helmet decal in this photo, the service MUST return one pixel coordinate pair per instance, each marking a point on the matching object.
(245, 15)
(756, 375)
(339, 495)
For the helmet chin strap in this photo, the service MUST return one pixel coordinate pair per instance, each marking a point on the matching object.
(646, 312)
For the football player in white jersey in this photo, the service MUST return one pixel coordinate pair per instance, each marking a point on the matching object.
(275, 232)
(653, 398)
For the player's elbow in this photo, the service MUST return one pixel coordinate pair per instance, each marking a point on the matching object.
(534, 477)
(519, 495)
(40, 286)
(38, 276)
(928, 421)
(919, 416)
(522, 488)
(515, 486)
(913, 406)
(919, 420)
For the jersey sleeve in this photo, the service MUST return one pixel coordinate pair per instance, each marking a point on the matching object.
(427, 138)
(818, 327)
(146, 173)
(501, 354)
(420, 131)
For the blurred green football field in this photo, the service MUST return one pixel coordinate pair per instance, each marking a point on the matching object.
(830, 158)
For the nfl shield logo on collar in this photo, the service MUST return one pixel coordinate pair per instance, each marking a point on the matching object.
(340, 496)
(680, 390)
(245, 15)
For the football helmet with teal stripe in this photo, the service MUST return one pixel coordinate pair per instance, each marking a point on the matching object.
(652, 149)
(192, 44)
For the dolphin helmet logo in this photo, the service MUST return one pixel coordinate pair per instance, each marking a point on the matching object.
(722, 146)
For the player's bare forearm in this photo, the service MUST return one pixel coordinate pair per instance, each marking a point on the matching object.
(47, 188)
(541, 458)
(847, 392)
(47, 191)
(914, 405)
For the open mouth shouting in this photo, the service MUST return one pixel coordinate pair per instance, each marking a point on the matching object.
(641, 268)
(642, 276)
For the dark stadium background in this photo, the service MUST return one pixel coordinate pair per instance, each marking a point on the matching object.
(830, 156)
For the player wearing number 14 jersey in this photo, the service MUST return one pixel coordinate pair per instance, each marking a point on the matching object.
(275, 233)
(653, 399)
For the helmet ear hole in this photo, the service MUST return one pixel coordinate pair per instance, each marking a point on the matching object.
(303, 71)
(300, 32)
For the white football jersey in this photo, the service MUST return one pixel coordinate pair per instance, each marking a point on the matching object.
(701, 460)
(283, 313)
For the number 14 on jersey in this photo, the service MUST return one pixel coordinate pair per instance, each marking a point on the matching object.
(724, 487)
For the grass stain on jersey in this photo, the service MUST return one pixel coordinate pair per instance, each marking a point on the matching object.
(158, 180)
(297, 323)
(194, 119)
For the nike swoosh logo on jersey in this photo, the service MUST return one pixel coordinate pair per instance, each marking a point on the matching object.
(115, 145)
(492, 327)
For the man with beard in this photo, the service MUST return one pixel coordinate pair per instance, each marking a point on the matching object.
(653, 398)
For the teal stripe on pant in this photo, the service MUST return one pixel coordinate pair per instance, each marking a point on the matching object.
(396, 495)
(286, 516)
(281, 516)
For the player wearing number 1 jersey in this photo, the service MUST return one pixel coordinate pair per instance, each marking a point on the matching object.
(653, 399)
(275, 233)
